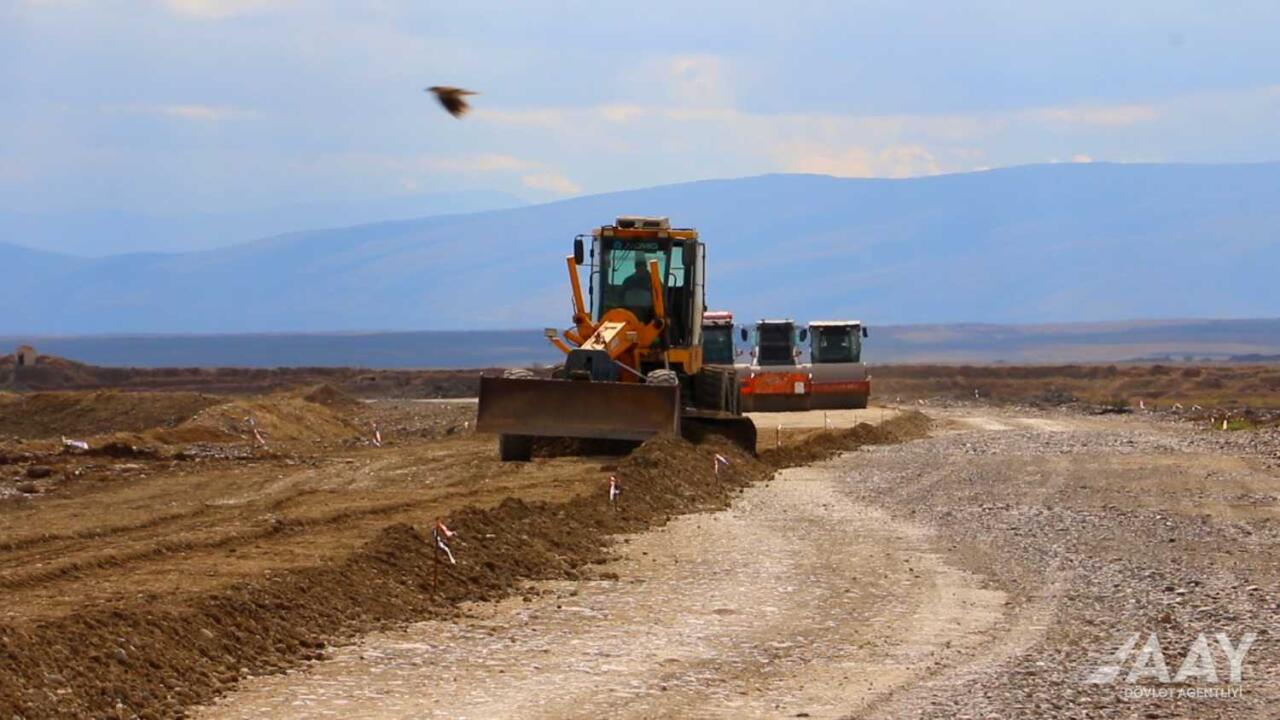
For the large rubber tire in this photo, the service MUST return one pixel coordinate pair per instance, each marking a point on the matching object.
(517, 374)
(716, 389)
(515, 448)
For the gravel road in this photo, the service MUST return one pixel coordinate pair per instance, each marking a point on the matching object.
(986, 572)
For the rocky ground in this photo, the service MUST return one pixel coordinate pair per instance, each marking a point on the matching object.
(1096, 528)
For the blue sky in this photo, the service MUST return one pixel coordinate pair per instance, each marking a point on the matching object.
(208, 106)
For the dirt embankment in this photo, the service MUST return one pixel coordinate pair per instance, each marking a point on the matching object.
(43, 415)
(1210, 386)
(152, 653)
(33, 426)
(55, 373)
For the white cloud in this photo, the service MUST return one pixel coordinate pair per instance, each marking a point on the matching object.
(204, 113)
(560, 151)
(552, 182)
(619, 113)
(856, 161)
(482, 163)
(699, 80)
(1106, 116)
(424, 171)
(680, 81)
(538, 117)
(193, 112)
(718, 140)
(534, 175)
(218, 9)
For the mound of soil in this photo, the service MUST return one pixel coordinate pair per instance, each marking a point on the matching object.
(47, 415)
(279, 418)
(329, 396)
(157, 425)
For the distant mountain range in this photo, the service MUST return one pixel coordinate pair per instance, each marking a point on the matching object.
(97, 233)
(1035, 244)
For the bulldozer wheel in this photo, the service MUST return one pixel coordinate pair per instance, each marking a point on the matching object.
(515, 448)
(716, 389)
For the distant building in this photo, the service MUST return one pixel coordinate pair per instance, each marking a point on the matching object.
(24, 356)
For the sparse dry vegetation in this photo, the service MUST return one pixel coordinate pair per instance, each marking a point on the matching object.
(1209, 386)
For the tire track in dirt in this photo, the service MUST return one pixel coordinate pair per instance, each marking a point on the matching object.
(41, 542)
(221, 525)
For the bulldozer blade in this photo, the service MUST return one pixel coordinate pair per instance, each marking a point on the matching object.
(577, 408)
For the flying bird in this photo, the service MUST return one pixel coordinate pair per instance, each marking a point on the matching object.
(452, 99)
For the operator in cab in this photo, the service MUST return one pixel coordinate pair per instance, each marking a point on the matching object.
(636, 292)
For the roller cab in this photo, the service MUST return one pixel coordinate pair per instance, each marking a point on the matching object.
(776, 380)
(839, 378)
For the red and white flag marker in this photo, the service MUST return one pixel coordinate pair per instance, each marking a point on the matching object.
(377, 435)
(720, 461)
(615, 489)
(441, 534)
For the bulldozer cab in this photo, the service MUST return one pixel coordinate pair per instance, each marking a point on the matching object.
(620, 255)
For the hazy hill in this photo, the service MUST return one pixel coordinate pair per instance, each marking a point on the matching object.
(96, 233)
(1026, 245)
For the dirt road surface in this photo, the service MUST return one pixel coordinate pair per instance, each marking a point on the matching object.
(989, 571)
